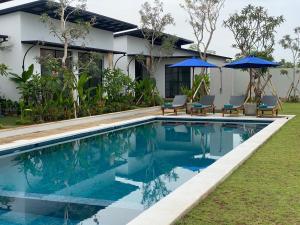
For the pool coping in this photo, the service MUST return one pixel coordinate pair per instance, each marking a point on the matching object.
(73, 122)
(181, 200)
(18, 146)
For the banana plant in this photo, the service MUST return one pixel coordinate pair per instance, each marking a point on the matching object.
(3, 70)
(24, 77)
(84, 92)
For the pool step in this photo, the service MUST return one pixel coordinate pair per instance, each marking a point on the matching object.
(56, 198)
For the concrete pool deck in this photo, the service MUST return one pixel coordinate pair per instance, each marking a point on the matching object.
(178, 202)
(47, 129)
(60, 127)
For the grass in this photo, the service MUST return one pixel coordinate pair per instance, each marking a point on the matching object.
(265, 190)
(8, 122)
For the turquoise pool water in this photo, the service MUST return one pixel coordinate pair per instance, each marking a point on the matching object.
(109, 178)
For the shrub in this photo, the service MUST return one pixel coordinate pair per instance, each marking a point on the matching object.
(117, 86)
(146, 93)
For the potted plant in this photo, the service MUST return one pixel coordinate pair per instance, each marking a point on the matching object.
(250, 108)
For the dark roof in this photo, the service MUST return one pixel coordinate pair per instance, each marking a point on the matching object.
(139, 34)
(169, 57)
(181, 56)
(102, 22)
(208, 54)
(74, 47)
(2, 1)
(3, 38)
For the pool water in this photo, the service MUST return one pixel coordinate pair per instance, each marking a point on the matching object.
(112, 177)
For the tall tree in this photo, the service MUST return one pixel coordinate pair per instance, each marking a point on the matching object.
(203, 18)
(253, 30)
(293, 44)
(66, 31)
(254, 34)
(153, 23)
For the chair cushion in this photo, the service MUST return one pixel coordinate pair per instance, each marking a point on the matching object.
(168, 104)
(197, 105)
(228, 106)
(263, 106)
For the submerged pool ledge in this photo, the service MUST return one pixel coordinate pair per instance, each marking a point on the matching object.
(179, 202)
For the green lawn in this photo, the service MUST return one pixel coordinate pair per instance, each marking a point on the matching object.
(265, 190)
(8, 122)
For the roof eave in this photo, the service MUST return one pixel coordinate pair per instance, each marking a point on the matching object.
(71, 47)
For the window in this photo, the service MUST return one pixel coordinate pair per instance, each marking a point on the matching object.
(140, 70)
(58, 54)
(175, 78)
(94, 69)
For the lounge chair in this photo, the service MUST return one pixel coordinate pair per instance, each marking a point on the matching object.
(205, 105)
(236, 104)
(268, 103)
(179, 102)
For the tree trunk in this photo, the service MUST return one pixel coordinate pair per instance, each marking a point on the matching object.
(64, 58)
(294, 81)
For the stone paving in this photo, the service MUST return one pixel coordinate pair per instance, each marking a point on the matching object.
(38, 134)
(37, 131)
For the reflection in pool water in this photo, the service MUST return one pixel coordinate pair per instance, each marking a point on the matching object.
(111, 178)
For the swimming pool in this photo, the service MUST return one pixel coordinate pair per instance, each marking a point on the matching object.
(111, 175)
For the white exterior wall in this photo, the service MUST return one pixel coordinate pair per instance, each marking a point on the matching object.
(11, 25)
(224, 82)
(122, 44)
(280, 82)
(33, 29)
(133, 45)
(20, 26)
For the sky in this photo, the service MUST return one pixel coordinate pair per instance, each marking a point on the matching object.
(128, 10)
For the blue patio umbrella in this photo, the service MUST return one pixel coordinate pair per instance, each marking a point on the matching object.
(193, 63)
(251, 62)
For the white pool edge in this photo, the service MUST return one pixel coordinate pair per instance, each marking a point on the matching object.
(181, 200)
(175, 205)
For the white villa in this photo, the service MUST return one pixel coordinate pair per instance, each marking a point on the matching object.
(118, 42)
(29, 38)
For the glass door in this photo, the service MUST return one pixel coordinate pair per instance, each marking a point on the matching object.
(175, 78)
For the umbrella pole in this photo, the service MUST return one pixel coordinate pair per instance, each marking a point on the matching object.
(193, 76)
(250, 89)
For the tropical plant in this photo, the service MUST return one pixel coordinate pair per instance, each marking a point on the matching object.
(146, 92)
(200, 88)
(26, 75)
(117, 86)
(3, 69)
(89, 98)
